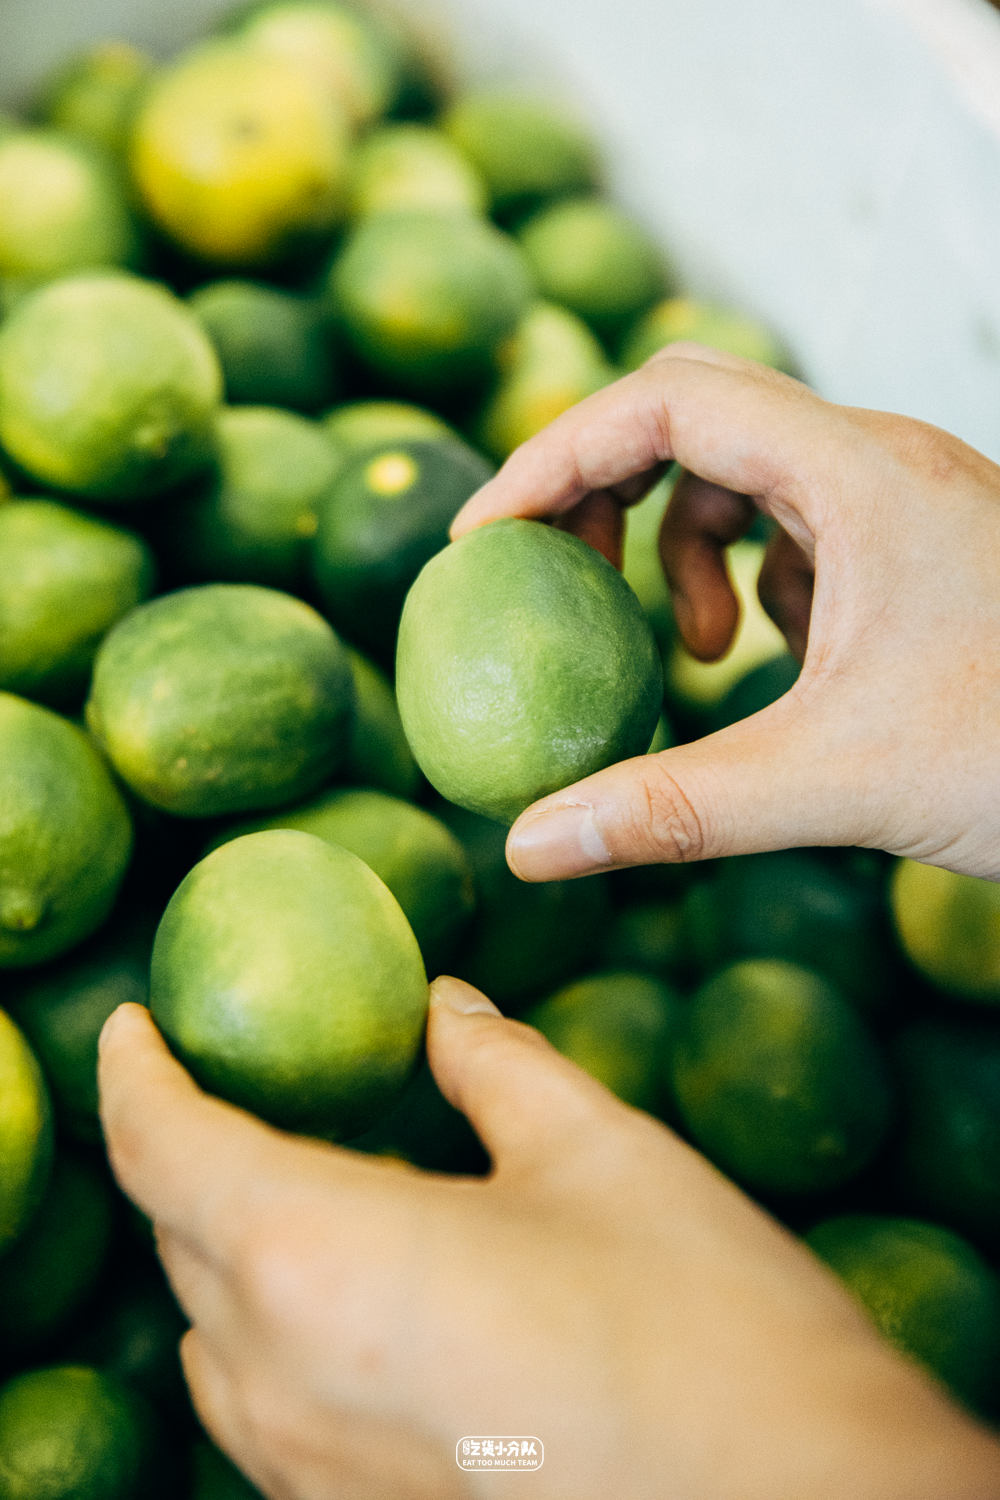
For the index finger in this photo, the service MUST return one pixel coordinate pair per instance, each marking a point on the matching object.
(194, 1164)
(737, 424)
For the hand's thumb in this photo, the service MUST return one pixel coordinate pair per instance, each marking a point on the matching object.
(769, 782)
(525, 1102)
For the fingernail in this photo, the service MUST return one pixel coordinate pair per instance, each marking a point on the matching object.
(556, 844)
(462, 998)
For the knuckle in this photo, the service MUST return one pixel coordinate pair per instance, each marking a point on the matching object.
(670, 826)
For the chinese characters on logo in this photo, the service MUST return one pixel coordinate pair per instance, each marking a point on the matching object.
(499, 1453)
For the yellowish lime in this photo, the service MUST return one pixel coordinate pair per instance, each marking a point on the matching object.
(949, 926)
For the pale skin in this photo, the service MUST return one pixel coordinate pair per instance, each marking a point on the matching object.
(605, 1288)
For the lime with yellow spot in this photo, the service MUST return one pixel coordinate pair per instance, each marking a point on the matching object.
(287, 979)
(71, 1433)
(600, 262)
(108, 388)
(379, 754)
(928, 1291)
(26, 1136)
(276, 347)
(94, 95)
(723, 328)
(426, 298)
(413, 853)
(63, 208)
(347, 52)
(357, 426)
(949, 926)
(527, 149)
(618, 1027)
(239, 158)
(47, 1276)
(699, 686)
(65, 835)
(386, 514)
(220, 699)
(410, 165)
(551, 362)
(254, 519)
(66, 579)
(524, 664)
(779, 1080)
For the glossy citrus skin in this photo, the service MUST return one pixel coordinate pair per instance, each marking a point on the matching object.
(949, 926)
(524, 663)
(286, 977)
(66, 579)
(71, 1433)
(412, 852)
(238, 157)
(65, 835)
(222, 699)
(778, 1079)
(26, 1138)
(108, 388)
(928, 1291)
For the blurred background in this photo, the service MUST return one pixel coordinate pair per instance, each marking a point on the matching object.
(833, 169)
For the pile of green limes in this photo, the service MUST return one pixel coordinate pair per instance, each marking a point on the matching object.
(270, 312)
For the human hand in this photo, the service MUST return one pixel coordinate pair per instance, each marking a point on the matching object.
(604, 1290)
(888, 738)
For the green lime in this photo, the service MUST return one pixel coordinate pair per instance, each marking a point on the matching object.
(94, 95)
(524, 940)
(663, 736)
(52, 1269)
(551, 361)
(618, 1027)
(426, 298)
(66, 579)
(254, 518)
(928, 1291)
(388, 513)
(216, 1478)
(703, 323)
(276, 348)
(778, 1078)
(524, 663)
(700, 686)
(427, 1131)
(287, 979)
(945, 1162)
(526, 149)
(641, 563)
(239, 157)
(949, 926)
(62, 207)
(65, 835)
(412, 852)
(412, 166)
(648, 936)
(794, 905)
(26, 1138)
(596, 260)
(70, 1433)
(361, 425)
(133, 1334)
(108, 388)
(62, 1008)
(222, 699)
(379, 755)
(760, 687)
(345, 51)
